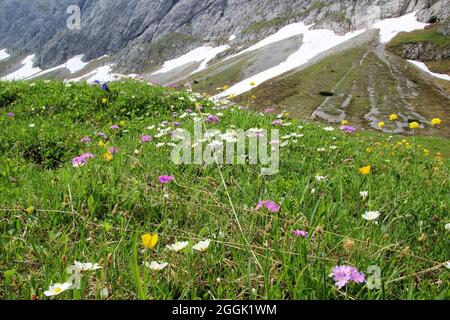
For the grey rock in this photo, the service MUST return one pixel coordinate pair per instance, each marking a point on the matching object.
(141, 34)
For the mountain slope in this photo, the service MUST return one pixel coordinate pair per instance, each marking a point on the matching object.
(135, 29)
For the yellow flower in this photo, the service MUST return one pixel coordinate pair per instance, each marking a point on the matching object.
(108, 156)
(253, 97)
(344, 122)
(414, 125)
(365, 170)
(122, 123)
(104, 100)
(393, 117)
(232, 96)
(287, 114)
(149, 241)
(31, 210)
(381, 124)
(225, 88)
(436, 121)
(252, 83)
(369, 150)
(101, 143)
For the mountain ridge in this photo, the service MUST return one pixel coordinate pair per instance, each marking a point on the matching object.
(142, 28)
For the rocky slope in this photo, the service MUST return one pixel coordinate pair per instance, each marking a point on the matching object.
(143, 33)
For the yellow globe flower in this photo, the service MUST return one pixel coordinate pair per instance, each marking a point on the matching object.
(252, 83)
(149, 241)
(393, 117)
(365, 170)
(414, 125)
(381, 124)
(108, 156)
(436, 121)
(31, 210)
(104, 100)
(344, 122)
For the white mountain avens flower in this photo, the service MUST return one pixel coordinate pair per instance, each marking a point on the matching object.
(364, 194)
(87, 266)
(156, 266)
(371, 215)
(178, 246)
(202, 246)
(57, 289)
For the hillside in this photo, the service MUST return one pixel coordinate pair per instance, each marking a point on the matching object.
(86, 175)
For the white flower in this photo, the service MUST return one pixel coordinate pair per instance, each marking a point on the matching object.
(447, 227)
(371, 215)
(201, 246)
(320, 178)
(300, 127)
(313, 191)
(333, 147)
(364, 194)
(329, 129)
(88, 266)
(57, 288)
(32, 125)
(177, 247)
(156, 266)
(321, 149)
(161, 144)
(447, 264)
(104, 293)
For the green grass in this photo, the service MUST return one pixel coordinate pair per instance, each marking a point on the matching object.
(98, 212)
(427, 35)
(353, 72)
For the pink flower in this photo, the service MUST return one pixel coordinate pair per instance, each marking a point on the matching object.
(348, 129)
(166, 179)
(300, 233)
(277, 122)
(269, 110)
(10, 115)
(113, 150)
(114, 127)
(270, 205)
(146, 139)
(82, 159)
(212, 118)
(102, 134)
(86, 139)
(342, 275)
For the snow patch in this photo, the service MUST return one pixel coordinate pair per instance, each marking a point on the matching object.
(422, 66)
(4, 55)
(102, 74)
(232, 37)
(201, 54)
(315, 42)
(74, 64)
(389, 28)
(27, 70)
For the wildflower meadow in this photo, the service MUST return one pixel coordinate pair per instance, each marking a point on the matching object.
(92, 205)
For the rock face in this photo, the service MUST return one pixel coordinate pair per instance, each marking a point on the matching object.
(143, 33)
(424, 51)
